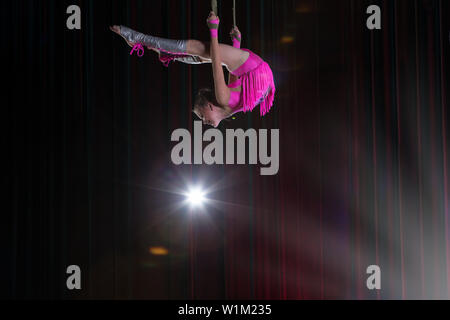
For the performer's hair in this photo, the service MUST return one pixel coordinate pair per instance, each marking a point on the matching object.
(204, 96)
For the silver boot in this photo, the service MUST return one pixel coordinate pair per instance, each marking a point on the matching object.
(167, 45)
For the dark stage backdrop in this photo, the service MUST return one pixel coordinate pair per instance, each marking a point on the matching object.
(364, 155)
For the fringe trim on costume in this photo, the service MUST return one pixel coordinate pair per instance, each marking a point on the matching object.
(258, 88)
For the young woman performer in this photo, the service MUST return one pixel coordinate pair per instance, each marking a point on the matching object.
(250, 81)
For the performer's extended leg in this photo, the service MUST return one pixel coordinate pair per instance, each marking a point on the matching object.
(231, 57)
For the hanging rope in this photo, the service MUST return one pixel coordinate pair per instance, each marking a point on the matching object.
(214, 6)
(234, 13)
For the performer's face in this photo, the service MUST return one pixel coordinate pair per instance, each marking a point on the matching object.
(210, 114)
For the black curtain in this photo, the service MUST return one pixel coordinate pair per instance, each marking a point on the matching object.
(364, 154)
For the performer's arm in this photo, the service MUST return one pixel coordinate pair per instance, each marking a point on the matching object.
(221, 89)
(231, 78)
(236, 39)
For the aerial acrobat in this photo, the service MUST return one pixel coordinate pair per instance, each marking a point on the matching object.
(250, 81)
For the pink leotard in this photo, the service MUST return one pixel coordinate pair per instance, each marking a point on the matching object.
(256, 80)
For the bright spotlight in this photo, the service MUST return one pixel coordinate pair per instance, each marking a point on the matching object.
(195, 197)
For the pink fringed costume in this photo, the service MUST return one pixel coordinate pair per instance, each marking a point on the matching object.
(258, 86)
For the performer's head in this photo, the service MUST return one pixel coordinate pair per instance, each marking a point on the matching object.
(207, 108)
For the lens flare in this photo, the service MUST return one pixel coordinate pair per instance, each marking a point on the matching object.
(196, 197)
